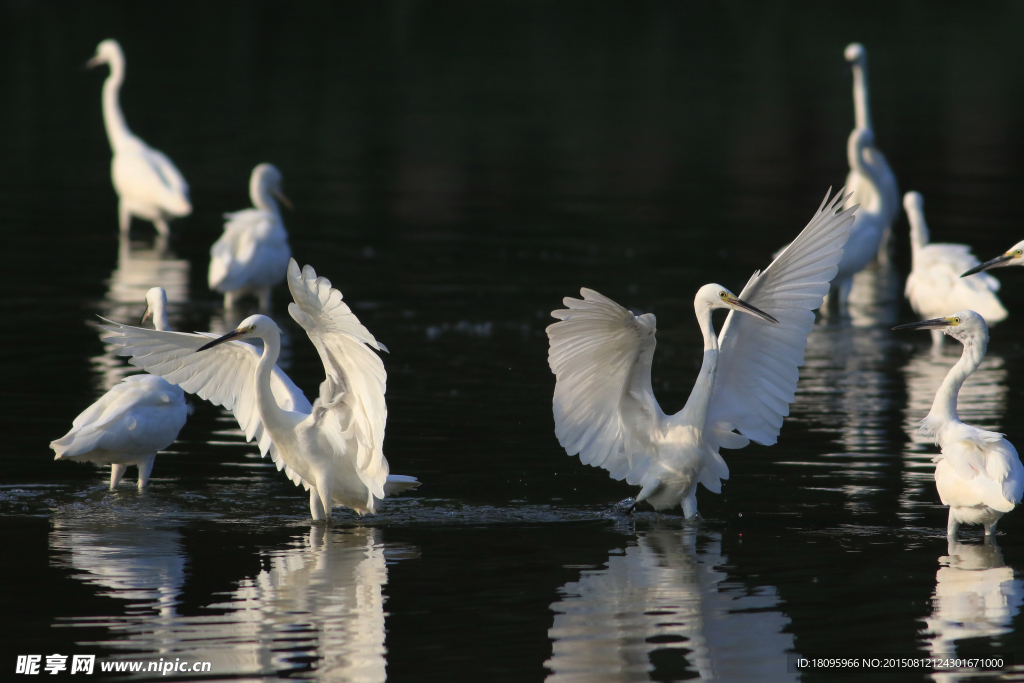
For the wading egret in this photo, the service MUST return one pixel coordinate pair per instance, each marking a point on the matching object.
(1014, 257)
(333, 448)
(601, 354)
(934, 284)
(130, 423)
(148, 184)
(869, 226)
(978, 475)
(252, 255)
(880, 195)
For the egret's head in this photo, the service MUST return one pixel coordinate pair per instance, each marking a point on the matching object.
(913, 202)
(716, 296)
(106, 52)
(855, 53)
(156, 302)
(1014, 257)
(253, 326)
(268, 178)
(965, 326)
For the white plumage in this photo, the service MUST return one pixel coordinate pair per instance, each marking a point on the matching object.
(334, 448)
(129, 424)
(252, 255)
(600, 353)
(934, 285)
(979, 475)
(148, 184)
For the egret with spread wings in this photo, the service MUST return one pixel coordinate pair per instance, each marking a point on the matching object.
(601, 356)
(334, 447)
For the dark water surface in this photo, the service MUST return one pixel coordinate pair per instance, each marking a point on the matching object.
(458, 168)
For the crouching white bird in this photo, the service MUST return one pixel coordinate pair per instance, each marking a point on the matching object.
(333, 448)
(601, 354)
(252, 255)
(129, 424)
(978, 475)
(1013, 257)
(934, 285)
(148, 184)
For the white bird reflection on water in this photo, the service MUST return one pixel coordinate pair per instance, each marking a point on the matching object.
(976, 596)
(318, 598)
(667, 593)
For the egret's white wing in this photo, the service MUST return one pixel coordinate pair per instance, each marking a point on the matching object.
(351, 402)
(934, 286)
(758, 361)
(223, 375)
(253, 251)
(604, 405)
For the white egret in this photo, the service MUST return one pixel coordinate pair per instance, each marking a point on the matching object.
(130, 423)
(978, 475)
(601, 354)
(1013, 257)
(934, 284)
(333, 448)
(880, 194)
(870, 224)
(252, 255)
(148, 184)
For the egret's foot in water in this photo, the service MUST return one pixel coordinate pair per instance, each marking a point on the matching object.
(626, 506)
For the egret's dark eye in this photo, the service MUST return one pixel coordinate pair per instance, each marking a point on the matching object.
(723, 294)
(956, 321)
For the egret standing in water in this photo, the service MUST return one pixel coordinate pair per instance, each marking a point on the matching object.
(601, 354)
(333, 448)
(934, 284)
(252, 255)
(148, 184)
(130, 423)
(879, 195)
(1014, 257)
(978, 475)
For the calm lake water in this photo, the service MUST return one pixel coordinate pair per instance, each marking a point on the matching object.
(457, 169)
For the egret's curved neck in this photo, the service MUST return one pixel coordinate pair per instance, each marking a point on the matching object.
(918, 230)
(855, 153)
(861, 108)
(944, 406)
(113, 119)
(261, 196)
(695, 412)
(271, 414)
(160, 315)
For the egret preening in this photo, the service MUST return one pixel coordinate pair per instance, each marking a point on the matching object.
(333, 448)
(934, 284)
(148, 185)
(978, 475)
(879, 195)
(128, 425)
(601, 354)
(1014, 257)
(252, 255)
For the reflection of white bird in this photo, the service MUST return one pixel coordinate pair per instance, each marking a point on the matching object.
(334, 448)
(934, 285)
(1014, 257)
(978, 475)
(147, 182)
(131, 422)
(601, 355)
(252, 255)
(879, 194)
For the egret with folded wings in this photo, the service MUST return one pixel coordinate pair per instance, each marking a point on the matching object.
(601, 355)
(334, 447)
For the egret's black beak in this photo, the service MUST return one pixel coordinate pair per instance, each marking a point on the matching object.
(747, 308)
(994, 263)
(145, 316)
(233, 334)
(933, 324)
(284, 200)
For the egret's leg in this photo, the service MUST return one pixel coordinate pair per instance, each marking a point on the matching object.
(845, 287)
(952, 525)
(229, 300)
(161, 226)
(124, 218)
(883, 246)
(990, 528)
(325, 502)
(937, 338)
(145, 467)
(315, 508)
(116, 472)
(690, 505)
(264, 296)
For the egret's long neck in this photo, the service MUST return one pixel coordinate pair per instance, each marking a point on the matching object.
(695, 412)
(855, 155)
(160, 316)
(861, 108)
(944, 405)
(918, 231)
(270, 413)
(113, 119)
(261, 197)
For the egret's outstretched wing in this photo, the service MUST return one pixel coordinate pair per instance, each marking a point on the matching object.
(223, 375)
(604, 405)
(351, 402)
(757, 365)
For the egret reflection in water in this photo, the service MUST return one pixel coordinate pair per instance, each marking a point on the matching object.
(666, 592)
